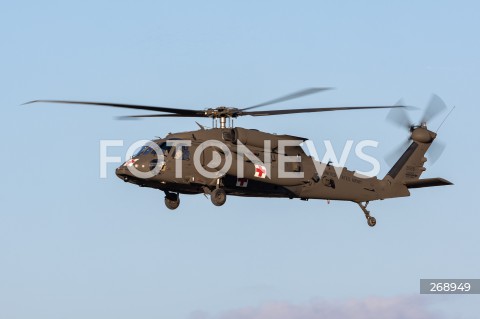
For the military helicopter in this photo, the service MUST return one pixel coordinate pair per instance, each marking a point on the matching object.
(228, 160)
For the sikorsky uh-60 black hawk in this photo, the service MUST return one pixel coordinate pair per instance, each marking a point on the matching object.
(253, 163)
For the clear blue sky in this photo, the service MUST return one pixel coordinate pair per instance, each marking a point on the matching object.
(73, 245)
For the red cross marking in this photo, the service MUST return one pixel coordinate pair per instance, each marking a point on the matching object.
(260, 171)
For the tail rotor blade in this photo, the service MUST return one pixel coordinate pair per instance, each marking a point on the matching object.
(434, 108)
(399, 117)
(435, 151)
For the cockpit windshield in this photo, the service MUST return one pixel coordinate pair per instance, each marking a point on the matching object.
(145, 150)
(140, 151)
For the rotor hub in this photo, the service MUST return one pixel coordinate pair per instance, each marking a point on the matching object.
(222, 111)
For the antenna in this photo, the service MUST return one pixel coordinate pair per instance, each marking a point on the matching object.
(200, 125)
(453, 108)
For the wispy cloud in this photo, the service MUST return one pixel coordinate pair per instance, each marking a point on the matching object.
(402, 307)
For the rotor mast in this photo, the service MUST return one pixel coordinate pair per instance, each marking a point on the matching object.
(223, 120)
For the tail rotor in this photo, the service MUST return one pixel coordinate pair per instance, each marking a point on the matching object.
(399, 117)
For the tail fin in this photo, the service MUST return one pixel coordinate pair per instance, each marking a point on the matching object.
(410, 165)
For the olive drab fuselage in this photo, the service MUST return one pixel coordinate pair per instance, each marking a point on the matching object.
(309, 179)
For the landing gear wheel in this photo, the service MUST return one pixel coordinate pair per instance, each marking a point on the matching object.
(172, 202)
(218, 197)
(371, 221)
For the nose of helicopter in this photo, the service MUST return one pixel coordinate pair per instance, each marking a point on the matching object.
(124, 173)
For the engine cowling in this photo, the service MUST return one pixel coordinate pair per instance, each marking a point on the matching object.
(253, 138)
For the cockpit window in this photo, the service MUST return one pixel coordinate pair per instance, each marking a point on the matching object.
(140, 151)
(150, 151)
(145, 150)
(182, 152)
(178, 153)
(165, 148)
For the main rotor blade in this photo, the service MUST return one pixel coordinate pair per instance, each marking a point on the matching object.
(131, 117)
(127, 106)
(434, 108)
(291, 96)
(323, 109)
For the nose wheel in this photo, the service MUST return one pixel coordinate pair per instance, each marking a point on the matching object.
(172, 200)
(371, 221)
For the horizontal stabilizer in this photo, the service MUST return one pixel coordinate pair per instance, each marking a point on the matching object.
(427, 182)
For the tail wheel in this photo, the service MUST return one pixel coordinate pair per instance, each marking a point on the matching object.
(218, 197)
(371, 221)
